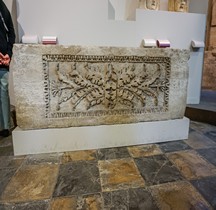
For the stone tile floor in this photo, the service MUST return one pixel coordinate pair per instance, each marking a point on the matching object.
(172, 175)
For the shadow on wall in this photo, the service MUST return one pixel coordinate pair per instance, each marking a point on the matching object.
(122, 9)
(126, 9)
(14, 16)
(12, 7)
(20, 31)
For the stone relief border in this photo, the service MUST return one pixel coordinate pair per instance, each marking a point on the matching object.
(111, 76)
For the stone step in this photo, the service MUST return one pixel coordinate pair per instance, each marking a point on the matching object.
(206, 110)
(201, 115)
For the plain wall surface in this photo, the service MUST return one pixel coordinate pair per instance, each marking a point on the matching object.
(126, 9)
(199, 6)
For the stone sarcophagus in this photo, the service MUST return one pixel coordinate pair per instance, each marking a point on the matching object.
(64, 86)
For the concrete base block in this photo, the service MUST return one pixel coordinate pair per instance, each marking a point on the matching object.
(95, 137)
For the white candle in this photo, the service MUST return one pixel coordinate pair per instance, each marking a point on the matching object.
(30, 39)
(149, 43)
(197, 44)
(163, 43)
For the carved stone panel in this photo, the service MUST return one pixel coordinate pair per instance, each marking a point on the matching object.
(149, 4)
(59, 86)
(178, 5)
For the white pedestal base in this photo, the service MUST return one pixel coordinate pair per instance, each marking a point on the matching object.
(95, 137)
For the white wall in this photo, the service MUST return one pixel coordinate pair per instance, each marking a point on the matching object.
(78, 22)
(126, 9)
(199, 6)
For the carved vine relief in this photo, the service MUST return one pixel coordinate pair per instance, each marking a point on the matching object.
(89, 85)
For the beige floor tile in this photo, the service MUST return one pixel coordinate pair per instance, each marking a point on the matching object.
(198, 141)
(201, 127)
(191, 165)
(83, 155)
(179, 196)
(144, 150)
(67, 203)
(31, 183)
(90, 202)
(119, 174)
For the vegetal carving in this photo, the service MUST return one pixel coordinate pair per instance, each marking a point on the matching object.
(106, 83)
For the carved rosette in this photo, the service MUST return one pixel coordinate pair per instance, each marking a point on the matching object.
(95, 85)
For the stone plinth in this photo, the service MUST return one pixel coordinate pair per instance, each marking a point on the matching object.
(64, 86)
(96, 137)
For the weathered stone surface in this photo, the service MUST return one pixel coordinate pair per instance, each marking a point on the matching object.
(212, 38)
(119, 174)
(78, 178)
(209, 73)
(213, 21)
(83, 155)
(31, 182)
(63, 86)
(191, 165)
(178, 195)
(144, 150)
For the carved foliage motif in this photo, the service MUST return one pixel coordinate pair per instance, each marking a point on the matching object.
(77, 85)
